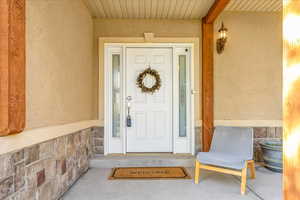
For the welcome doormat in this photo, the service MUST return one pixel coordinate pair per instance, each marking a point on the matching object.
(149, 173)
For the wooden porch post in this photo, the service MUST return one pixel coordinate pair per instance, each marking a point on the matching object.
(207, 84)
(12, 66)
(291, 99)
(207, 72)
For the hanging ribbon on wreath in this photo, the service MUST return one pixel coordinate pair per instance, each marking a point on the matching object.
(149, 73)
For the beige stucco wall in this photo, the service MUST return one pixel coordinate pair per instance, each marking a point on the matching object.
(59, 63)
(62, 62)
(137, 28)
(248, 75)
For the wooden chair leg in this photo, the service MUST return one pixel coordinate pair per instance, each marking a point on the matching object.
(244, 180)
(251, 165)
(197, 172)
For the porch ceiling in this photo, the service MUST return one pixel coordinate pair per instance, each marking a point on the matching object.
(255, 5)
(171, 9)
(149, 9)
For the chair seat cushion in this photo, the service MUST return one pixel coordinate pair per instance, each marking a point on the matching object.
(221, 160)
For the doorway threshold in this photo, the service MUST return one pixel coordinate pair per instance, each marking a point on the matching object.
(142, 160)
(162, 154)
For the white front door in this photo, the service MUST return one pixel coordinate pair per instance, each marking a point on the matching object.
(151, 114)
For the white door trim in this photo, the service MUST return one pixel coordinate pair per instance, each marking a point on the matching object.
(118, 145)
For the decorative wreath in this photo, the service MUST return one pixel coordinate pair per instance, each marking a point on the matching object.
(143, 75)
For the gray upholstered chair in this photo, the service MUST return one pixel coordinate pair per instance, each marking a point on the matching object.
(231, 152)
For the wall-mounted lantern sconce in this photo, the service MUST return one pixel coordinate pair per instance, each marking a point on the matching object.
(222, 39)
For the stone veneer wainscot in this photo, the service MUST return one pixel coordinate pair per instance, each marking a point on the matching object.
(259, 134)
(46, 170)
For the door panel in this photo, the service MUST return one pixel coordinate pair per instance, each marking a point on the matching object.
(151, 114)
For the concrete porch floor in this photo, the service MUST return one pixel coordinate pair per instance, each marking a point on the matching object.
(94, 185)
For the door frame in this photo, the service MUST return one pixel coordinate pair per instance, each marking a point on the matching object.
(118, 145)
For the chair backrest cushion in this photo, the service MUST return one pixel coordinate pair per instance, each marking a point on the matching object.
(234, 140)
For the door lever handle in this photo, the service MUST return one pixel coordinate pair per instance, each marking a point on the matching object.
(128, 118)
